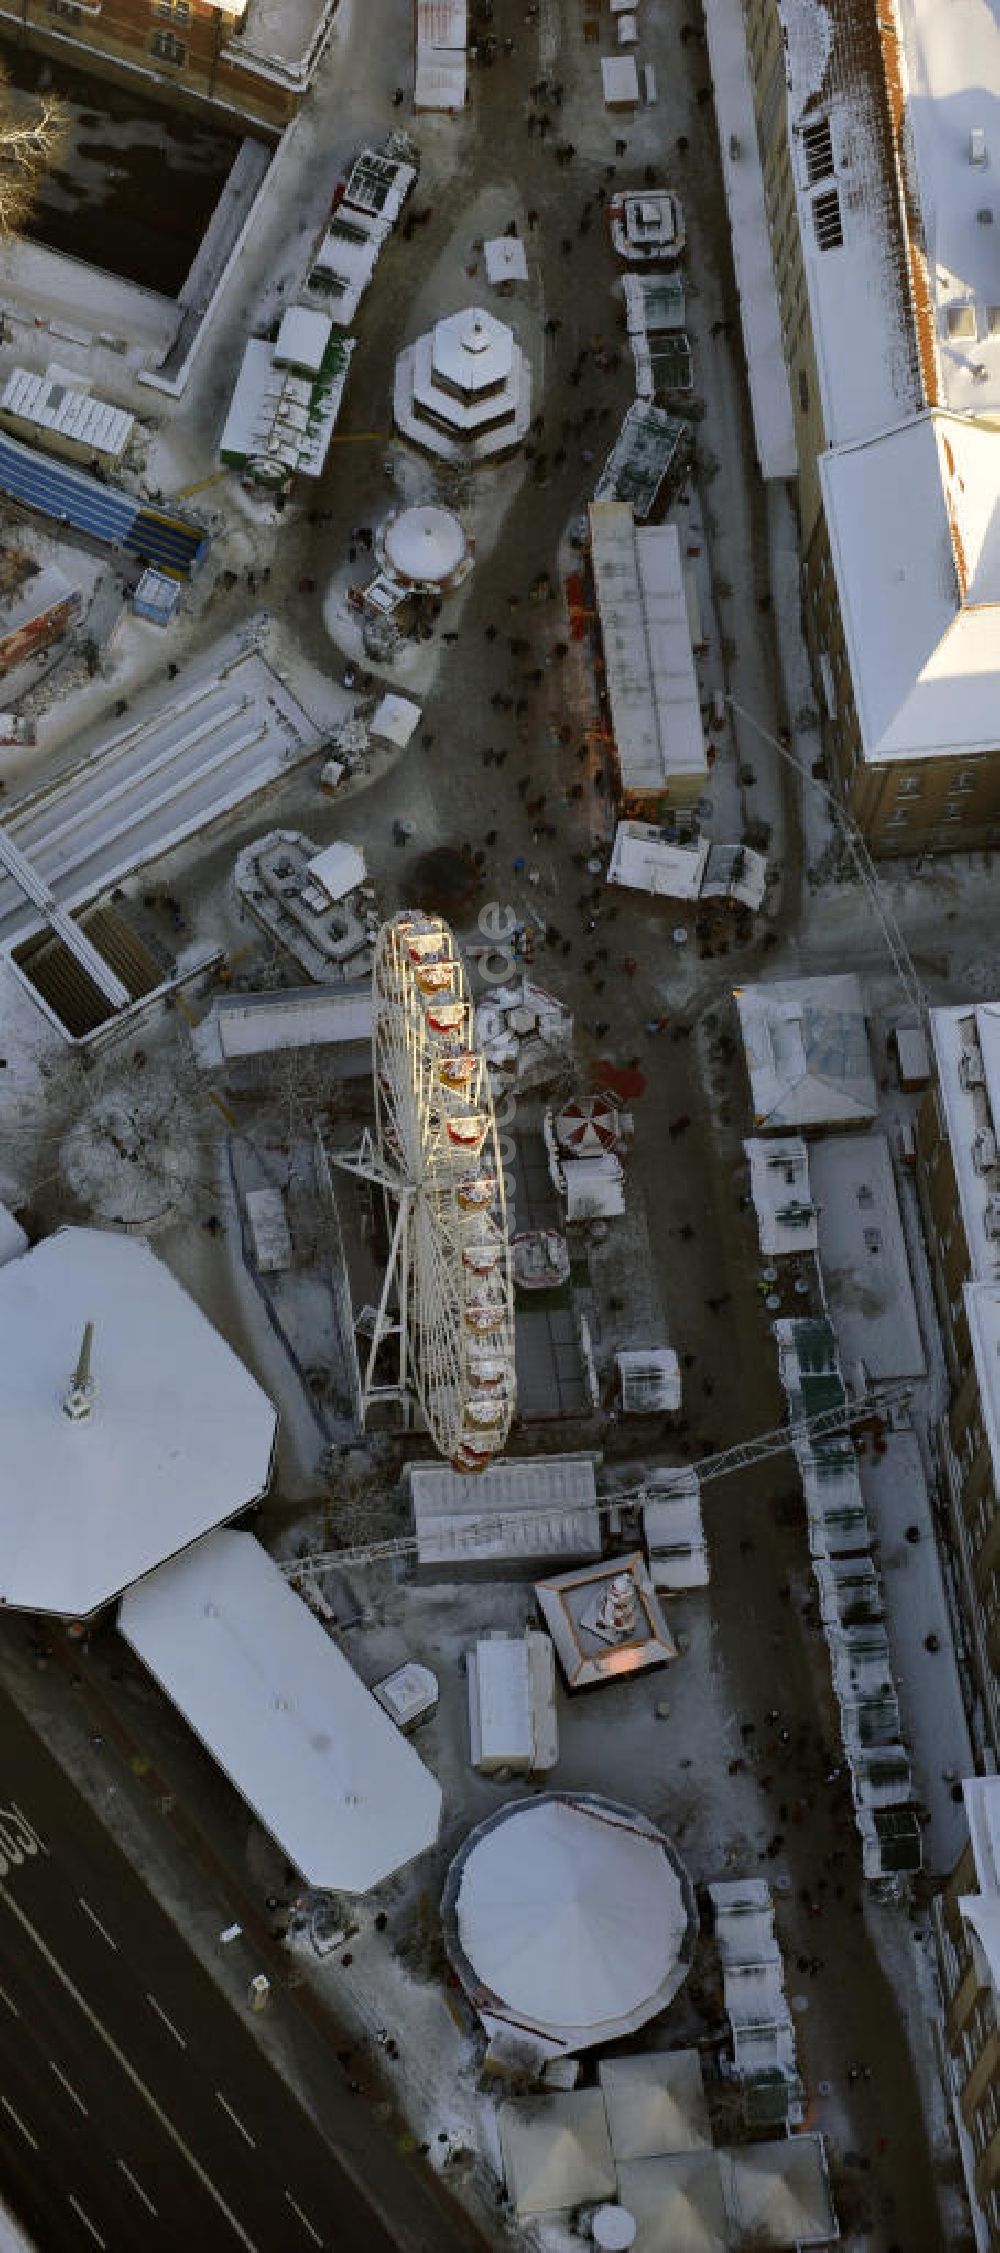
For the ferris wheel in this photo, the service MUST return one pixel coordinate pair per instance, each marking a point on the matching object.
(446, 1309)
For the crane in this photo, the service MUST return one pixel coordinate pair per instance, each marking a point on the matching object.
(825, 1424)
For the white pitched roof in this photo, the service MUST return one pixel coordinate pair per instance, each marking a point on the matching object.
(655, 2102)
(806, 1047)
(278, 1706)
(179, 1437)
(677, 2201)
(914, 524)
(556, 2152)
(646, 638)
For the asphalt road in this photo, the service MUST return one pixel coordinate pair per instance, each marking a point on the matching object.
(135, 2108)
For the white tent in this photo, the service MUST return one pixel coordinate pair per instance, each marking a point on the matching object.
(278, 1706)
(778, 2193)
(594, 1187)
(655, 2103)
(570, 1917)
(678, 2203)
(394, 720)
(556, 2152)
(339, 868)
(506, 260)
(177, 1436)
(807, 1054)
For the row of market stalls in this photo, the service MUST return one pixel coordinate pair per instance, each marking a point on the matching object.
(290, 387)
(810, 1069)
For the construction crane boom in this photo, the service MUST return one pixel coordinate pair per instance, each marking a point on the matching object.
(824, 1425)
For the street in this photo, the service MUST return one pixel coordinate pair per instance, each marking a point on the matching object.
(135, 2109)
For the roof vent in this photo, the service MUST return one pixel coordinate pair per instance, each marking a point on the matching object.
(984, 1150)
(978, 151)
(985, 216)
(991, 1218)
(978, 371)
(971, 1069)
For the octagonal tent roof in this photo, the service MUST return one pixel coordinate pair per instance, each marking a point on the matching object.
(178, 1437)
(571, 1917)
(473, 350)
(425, 544)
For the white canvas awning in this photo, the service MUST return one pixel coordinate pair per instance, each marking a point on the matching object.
(394, 720)
(556, 2152)
(506, 259)
(277, 1705)
(339, 868)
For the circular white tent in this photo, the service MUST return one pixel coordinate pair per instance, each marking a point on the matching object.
(570, 1917)
(426, 546)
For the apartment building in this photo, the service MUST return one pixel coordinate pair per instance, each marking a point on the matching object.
(958, 1176)
(252, 58)
(882, 225)
(967, 1930)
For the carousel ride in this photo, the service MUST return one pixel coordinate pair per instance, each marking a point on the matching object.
(445, 1318)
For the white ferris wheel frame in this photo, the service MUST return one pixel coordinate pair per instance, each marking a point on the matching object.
(448, 1268)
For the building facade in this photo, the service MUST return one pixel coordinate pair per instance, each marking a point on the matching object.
(894, 373)
(958, 1178)
(967, 1932)
(241, 56)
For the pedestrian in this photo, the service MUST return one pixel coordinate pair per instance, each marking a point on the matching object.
(533, 222)
(566, 247)
(427, 739)
(490, 633)
(621, 148)
(682, 144)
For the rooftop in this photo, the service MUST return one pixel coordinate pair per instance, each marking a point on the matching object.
(952, 72)
(913, 518)
(649, 664)
(807, 1054)
(848, 198)
(569, 1916)
(276, 1703)
(966, 1042)
(178, 1437)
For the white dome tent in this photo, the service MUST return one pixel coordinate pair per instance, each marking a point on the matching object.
(570, 1919)
(427, 546)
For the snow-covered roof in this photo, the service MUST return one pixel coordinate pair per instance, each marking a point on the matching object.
(544, 1506)
(506, 259)
(394, 719)
(673, 1531)
(649, 445)
(594, 1187)
(677, 2201)
(512, 1713)
(178, 1438)
(272, 1242)
(981, 1910)
(556, 2152)
(339, 868)
(619, 81)
(966, 1043)
(779, 2194)
(781, 1194)
(441, 75)
(277, 1705)
(276, 412)
(650, 1380)
(473, 351)
(646, 861)
(767, 370)
(425, 544)
(913, 519)
(53, 402)
(302, 339)
(646, 638)
(863, 1256)
(952, 63)
(858, 286)
(578, 1609)
(655, 2102)
(303, 1017)
(571, 1916)
(807, 1055)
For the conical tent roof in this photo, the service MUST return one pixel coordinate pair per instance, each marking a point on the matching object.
(425, 543)
(572, 1916)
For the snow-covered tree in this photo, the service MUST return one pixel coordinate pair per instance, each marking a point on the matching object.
(32, 139)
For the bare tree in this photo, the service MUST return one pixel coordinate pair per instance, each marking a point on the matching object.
(33, 135)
